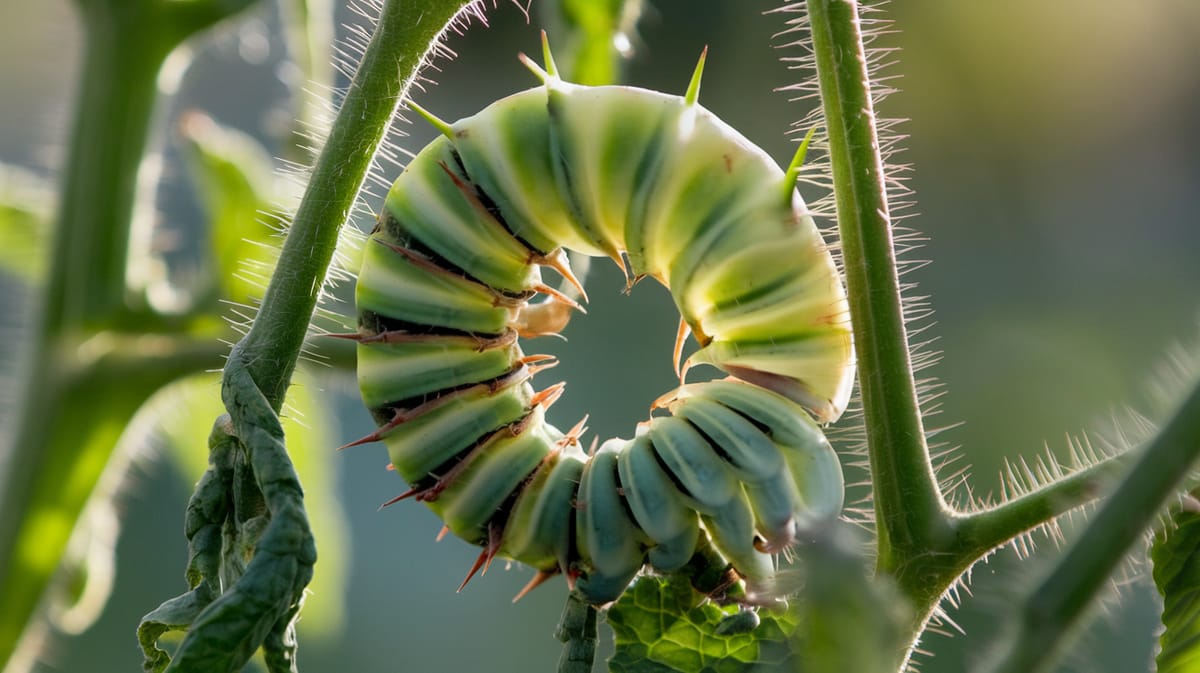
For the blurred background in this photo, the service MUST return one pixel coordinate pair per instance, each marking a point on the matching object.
(1056, 154)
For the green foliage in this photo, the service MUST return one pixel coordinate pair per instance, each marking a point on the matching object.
(1176, 557)
(600, 36)
(663, 625)
(251, 549)
(836, 618)
(235, 180)
(98, 350)
(24, 218)
(101, 349)
(847, 619)
(20, 239)
(307, 424)
(266, 558)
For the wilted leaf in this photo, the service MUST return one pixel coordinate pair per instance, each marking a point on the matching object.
(187, 411)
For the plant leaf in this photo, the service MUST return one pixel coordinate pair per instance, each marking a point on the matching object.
(1176, 558)
(840, 618)
(25, 205)
(248, 535)
(664, 625)
(245, 202)
(848, 620)
(234, 180)
(599, 35)
(73, 458)
(185, 413)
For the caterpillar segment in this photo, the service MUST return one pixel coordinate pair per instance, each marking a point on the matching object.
(452, 280)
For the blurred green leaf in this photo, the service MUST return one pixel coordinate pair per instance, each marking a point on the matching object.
(308, 32)
(1176, 558)
(73, 456)
(599, 36)
(186, 411)
(848, 620)
(83, 584)
(20, 241)
(25, 206)
(664, 625)
(235, 181)
(244, 197)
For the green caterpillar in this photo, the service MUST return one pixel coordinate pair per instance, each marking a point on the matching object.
(665, 189)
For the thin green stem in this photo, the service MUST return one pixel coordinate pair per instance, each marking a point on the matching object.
(911, 516)
(977, 533)
(1056, 604)
(405, 32)
(577, 630)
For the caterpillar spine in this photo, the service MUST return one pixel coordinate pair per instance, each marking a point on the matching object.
(666, 190)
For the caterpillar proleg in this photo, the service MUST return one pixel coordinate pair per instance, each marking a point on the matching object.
(667, 191)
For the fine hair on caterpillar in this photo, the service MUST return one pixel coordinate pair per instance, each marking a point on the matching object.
(450, 284)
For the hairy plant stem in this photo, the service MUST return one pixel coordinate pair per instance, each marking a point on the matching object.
(258, 601)
(1055, 605)
(923, 544)
(977, 533)
(404, 35)
(910, 512)
(72, 407)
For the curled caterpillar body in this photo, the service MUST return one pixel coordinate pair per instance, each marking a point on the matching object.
(665, 189)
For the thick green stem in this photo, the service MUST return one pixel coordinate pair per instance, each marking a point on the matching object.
(86, 284)
(1056, 604)
(72, 413)
(910, 514)
(403, 37)
(921, 542)
(92, 236)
